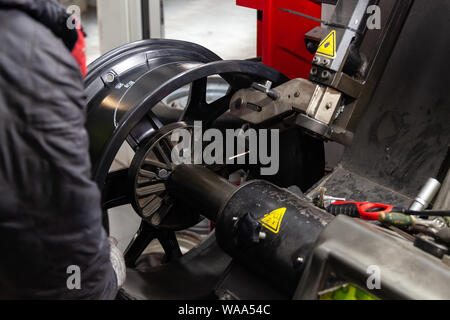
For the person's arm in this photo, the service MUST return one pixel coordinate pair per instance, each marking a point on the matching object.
(50, 215)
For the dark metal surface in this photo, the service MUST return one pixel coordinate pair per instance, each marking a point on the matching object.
(403, 137)
(237, 212)
(399, 143)
(346, 249)
(278, 253)
(193, 276)
(376, 47)
(240, 283)
(135, 54)
(201, 189)
(342, 183)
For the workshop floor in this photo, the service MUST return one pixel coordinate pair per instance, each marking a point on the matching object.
(221, 26)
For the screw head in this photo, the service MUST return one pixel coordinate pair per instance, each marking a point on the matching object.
(313, 71)
(328, 106)
(110, 77)
(163, 173)
(325, 74)
(297, 94)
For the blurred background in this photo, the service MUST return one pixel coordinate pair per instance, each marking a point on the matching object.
(219, 25)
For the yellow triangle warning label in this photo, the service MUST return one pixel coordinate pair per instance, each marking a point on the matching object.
(327, 47)
(272, 221)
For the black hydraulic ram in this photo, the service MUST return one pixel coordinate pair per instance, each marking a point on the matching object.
(268, 229)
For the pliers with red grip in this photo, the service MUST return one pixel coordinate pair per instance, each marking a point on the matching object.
(363, 210)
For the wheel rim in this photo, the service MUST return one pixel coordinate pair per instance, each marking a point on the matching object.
(123, 87)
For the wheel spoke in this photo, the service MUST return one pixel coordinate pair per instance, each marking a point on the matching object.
(170, 244)
(156, 163)
(238, 80)
(197, 100)
(147, 174)
(216, 109)
(146, 177)
(141, 240)
(197, 94)
(163, 155)
(115, 190)
(150, 190)
(151, 206)
(207, 112)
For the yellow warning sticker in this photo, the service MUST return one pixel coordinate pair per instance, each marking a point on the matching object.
(272, 221)
(327, 47)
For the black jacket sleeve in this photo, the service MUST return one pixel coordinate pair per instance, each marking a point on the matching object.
(50, 215)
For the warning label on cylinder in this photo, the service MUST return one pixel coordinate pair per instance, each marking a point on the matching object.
(327, 47)
(272, 221)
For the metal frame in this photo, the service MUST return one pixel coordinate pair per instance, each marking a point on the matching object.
(348, 247)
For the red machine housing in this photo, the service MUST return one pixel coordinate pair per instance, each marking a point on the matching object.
(281, 34)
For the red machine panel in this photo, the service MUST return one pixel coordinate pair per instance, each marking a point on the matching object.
(281, 34)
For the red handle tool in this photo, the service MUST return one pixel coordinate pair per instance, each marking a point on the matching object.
(363, 210)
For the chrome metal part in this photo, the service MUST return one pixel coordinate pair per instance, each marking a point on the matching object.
(255, 106)
(426, 195)
(320, 103)
(324, 106)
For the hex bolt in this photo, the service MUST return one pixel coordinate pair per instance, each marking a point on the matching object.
(163, 173)
(300, 260)
(110, 77)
